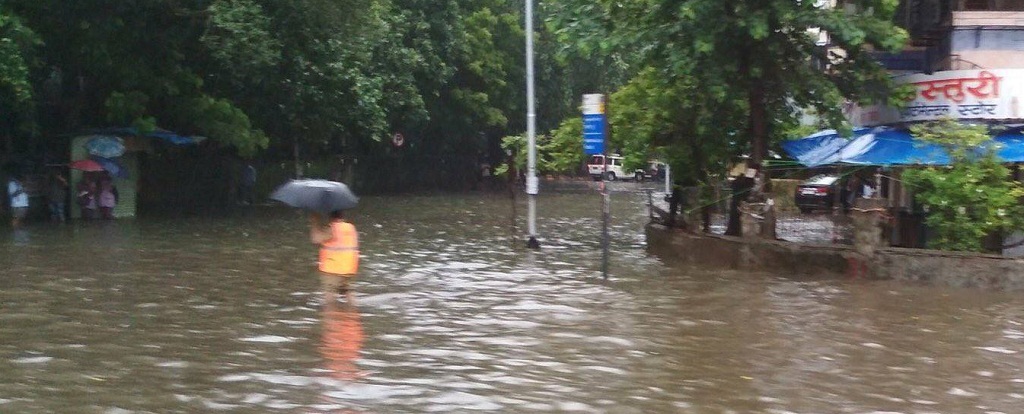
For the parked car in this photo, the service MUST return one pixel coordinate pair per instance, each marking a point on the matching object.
(655, 171)
(596, 168)
(817, 193)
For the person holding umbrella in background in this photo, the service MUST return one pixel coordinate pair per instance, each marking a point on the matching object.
(338, 239)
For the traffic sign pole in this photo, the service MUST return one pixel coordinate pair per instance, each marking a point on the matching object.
(595, 137)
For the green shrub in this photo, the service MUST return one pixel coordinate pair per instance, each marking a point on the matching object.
(971, 198)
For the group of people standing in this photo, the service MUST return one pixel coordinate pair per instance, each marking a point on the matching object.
(96, 196)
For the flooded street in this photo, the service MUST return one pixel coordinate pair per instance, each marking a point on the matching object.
(224, 314)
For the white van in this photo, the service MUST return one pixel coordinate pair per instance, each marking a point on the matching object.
(596, 168)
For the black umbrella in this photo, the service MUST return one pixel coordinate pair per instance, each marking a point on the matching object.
(317, 195)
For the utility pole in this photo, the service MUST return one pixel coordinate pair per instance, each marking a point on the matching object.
(532, 183)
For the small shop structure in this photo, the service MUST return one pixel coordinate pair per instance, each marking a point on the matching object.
(883, 143)
(116, 151)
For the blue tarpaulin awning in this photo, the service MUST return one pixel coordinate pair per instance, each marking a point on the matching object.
(821, 148)
(157, 133)
(1011, 142)
(885, 146)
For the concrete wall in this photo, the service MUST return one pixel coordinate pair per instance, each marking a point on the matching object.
(799, 260)
(951, 268)
(719, 251)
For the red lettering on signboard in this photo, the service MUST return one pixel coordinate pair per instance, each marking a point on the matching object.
(985, 85)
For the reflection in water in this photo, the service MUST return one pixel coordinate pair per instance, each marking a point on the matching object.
(342, 340)
(210, 315)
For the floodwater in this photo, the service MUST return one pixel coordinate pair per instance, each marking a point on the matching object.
(224, 315)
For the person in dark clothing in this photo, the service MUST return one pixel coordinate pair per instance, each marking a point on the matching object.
(57, 195)
(847, 193)
(741, 186)
(247, 191)
(674, 201)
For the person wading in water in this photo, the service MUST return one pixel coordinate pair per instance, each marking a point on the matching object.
(339, 254)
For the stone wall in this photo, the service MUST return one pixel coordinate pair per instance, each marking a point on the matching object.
(747, 254)
(951, 268)
(802, 260)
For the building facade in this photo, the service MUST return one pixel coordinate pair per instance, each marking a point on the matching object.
(959, 35)
(965, 58)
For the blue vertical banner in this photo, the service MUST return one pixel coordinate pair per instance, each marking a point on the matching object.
(594, 124)
(593, 134)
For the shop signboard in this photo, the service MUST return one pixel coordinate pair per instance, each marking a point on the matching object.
(984, 94)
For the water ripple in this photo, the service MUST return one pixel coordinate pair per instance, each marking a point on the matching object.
(452, 314)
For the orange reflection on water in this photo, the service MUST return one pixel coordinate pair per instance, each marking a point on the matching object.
(342, 339)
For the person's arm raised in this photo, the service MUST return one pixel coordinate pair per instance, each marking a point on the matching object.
(317, 233)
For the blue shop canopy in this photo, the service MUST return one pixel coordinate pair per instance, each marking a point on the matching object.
(1012, 142)
(158, 133)
(885, 146)
(821, 148)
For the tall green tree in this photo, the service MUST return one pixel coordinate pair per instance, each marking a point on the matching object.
(765, 48)
(316, 89)
(656, 115)
(16, 40)
(16, 91)
(763, 53)
(129, 62)
(321, 78)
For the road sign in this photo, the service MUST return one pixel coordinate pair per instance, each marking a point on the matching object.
(594, 124)
(593, 134)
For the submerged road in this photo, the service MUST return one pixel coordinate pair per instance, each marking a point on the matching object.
(451, 315)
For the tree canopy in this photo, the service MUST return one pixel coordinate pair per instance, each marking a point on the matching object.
(703, 79)
(755, 64)
(332, 77)
(17, 44)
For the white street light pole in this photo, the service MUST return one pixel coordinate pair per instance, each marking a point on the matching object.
(531, 138)
(668, 179)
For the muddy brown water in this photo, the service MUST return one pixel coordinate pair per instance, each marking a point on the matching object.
(161, 315)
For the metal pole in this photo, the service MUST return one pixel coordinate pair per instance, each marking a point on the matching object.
(298, 162)
(606, 197)
(606, 213)
(531, 132)
(668, 179)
